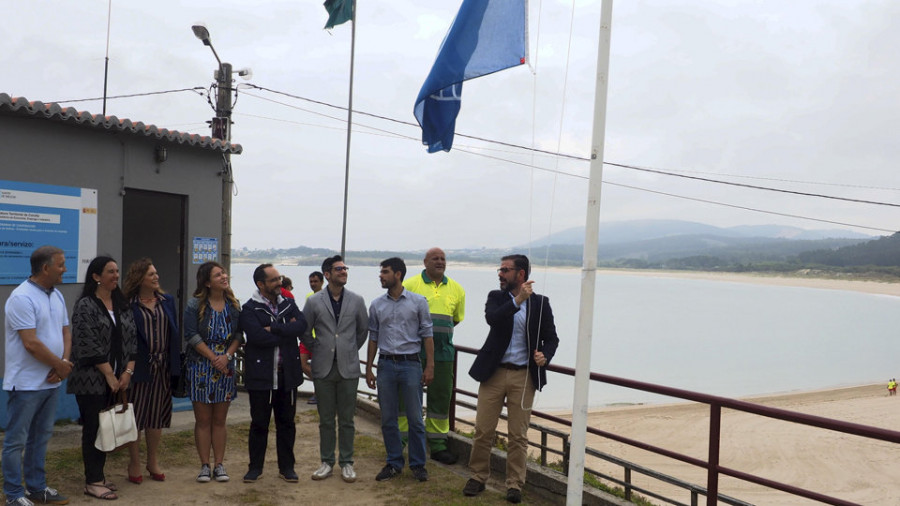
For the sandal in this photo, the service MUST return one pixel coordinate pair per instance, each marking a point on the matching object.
(109, 495)
(110, 485)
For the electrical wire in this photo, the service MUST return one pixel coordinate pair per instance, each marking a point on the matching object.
(614, 164)
(200, 91)
(195, 89)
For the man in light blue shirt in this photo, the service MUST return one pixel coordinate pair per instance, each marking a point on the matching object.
(38, 343)
(399, 327)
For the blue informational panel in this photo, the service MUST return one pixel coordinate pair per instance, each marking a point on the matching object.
(33, 215)
(206, 249)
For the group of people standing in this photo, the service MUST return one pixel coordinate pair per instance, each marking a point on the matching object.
(129, 341)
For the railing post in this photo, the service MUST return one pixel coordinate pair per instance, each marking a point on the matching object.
(566, 452)
(543, 449)
(627, 483)
(695, 498)
(452, 413)
(712, 479)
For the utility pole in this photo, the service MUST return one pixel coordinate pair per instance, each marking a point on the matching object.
(221, 129)
(222, 126)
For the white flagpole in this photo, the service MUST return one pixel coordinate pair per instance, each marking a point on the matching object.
(589, 269)
(349, 127)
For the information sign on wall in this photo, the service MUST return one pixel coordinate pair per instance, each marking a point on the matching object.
(34, 215)
(206, 249)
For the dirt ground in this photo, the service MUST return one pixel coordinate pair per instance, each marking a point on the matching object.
(180, 487)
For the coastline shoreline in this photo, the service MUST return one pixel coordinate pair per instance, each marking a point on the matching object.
(792, 279)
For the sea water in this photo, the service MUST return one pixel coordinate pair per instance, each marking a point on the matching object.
(723, 338)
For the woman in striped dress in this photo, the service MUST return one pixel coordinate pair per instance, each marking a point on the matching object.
(159, 358)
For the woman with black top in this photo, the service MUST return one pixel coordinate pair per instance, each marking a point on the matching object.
(104, 348)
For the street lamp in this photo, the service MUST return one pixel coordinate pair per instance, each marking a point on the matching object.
(221, 129)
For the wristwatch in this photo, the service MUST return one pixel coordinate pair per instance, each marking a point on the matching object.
(229, 356)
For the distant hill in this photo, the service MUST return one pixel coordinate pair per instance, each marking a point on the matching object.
(642, 230)
(883, 252)
(666, 244)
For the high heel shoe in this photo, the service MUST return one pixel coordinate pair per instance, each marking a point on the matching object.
(156, 476)
(137, 480)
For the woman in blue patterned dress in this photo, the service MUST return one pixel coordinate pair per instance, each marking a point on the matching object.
(212, 334)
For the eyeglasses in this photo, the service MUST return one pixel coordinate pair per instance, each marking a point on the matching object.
(276, 278)
(340, 268)
(504, 270)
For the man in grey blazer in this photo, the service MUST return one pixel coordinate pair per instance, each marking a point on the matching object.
(341, 326)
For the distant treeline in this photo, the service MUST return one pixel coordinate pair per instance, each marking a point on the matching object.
(879, 258)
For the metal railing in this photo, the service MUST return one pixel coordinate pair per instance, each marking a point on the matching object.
(711, 465)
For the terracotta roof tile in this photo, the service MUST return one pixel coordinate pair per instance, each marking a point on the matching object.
(55, 112)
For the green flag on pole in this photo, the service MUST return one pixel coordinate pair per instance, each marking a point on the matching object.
(339, 11)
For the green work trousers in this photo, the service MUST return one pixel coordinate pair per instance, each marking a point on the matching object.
(437, 408)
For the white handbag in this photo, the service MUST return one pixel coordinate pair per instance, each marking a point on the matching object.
(117, 426)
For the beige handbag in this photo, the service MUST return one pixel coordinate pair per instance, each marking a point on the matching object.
(117, 425)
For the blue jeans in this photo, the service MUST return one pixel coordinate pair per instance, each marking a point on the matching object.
(396, 380)
(31, 416)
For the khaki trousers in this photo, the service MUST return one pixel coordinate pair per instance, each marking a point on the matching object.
(515, 390)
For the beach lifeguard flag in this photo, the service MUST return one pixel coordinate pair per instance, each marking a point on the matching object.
(339, 11)
(486, 36)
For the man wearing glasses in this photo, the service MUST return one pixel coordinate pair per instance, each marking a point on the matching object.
(338, 325)
(510, 366)
(272, 326)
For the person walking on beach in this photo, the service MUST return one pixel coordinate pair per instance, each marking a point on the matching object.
(447, 303)
(338, 325)
(399, 326)
(272, 325)
(510, 367)
(38, 344)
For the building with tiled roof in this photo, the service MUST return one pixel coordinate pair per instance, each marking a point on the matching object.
(54, 112)
(94, 184)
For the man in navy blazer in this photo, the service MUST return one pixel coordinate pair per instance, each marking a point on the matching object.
(273, 325)
(510, 367)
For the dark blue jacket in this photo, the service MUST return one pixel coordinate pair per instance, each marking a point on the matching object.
(262, 346)
(541, 333)
(142, 364)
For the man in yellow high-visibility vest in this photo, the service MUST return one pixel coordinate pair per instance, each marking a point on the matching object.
(447, 303)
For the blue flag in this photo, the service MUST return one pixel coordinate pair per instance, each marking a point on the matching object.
(486, 36)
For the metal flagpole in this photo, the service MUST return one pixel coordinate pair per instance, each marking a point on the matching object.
(349, 126)
(106, 60)
(589, 269)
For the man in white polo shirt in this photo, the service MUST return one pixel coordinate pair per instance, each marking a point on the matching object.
(38, 343)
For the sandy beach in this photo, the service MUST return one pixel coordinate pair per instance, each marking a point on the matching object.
(848, 467)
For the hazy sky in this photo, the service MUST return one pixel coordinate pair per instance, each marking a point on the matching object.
(798, 95)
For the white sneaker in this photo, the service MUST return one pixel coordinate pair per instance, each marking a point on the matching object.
(348, 474)
(21, 501)
(219, 473)
(324, 471)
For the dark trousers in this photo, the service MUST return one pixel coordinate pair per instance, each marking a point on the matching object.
(90, 406)
(283, 403)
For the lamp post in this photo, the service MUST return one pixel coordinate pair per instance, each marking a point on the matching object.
(221, 129)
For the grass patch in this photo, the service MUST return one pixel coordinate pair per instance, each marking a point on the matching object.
(595, 482)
